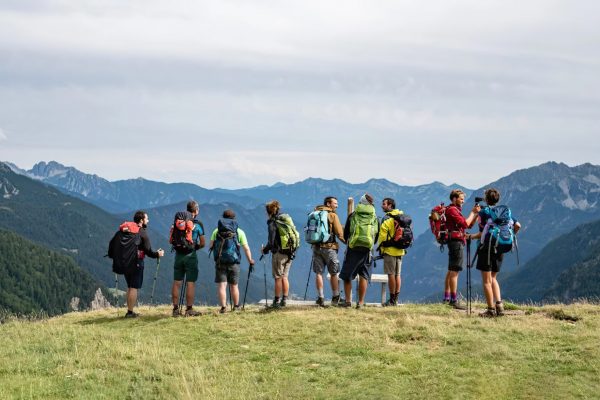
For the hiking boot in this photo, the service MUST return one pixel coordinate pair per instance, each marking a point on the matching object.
(320, 302)
(236, 308)
(190, 312)
(489, 313)
(131, 314)
(335, 300)
(223, 310)
(359, 306)
(445, 301)
(388, 303)
(499, 308)
(457, 305)
(176, 312)
(283, 303)
(275, 303)
(345, 304)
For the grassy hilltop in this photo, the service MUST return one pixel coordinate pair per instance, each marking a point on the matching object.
(411, 351)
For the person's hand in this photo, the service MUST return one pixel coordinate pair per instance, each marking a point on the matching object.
(264, 250)
(160, 252)
(251, 268)
(251, 262)
(476, 209)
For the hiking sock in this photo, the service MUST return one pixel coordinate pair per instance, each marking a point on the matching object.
(284, 298)
(446, 296)
(188, 308)
(452, 296)
(321, 292)
(336, 293)
(175, 306)
(275, 299)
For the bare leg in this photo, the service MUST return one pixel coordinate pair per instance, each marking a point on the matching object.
(362, 289)
(486, 277)
(348, 291)
(221, 293)
(278, 287)
(285, 285)
(189, 294)
(235, 294)
(496, 287)
(175, 292)
(131, 298)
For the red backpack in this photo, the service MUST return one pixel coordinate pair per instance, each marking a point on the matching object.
(437, 221)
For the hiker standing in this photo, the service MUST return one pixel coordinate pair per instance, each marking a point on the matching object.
(490, 253)
(281, 229)
(392, 256)
(456, 225)
(187, 236)
(225, 243)
(135, 277)
(361, 229)
(326, 252)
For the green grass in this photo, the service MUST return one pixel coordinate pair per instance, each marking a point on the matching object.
(412, 351)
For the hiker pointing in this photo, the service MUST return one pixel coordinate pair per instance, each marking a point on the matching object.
(225, 243)
(282, 243)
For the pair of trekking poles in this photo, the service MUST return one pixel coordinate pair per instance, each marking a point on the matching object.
(153, 283)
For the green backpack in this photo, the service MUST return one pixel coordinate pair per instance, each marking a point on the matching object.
(363, 227)
(290, 238)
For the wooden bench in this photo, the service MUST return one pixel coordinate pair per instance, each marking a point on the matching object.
(375, 278)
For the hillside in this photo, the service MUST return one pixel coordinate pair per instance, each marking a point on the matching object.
(411, 351)
(34, 279)
(566, 269)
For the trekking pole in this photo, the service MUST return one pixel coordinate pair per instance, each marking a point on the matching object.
(117, 289)
(469, 265)
(308, 280)
(262, 256)
(182, 292)
(247, 283)
(154, 283)
(230, 297)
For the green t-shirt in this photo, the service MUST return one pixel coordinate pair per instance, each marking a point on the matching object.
(241, 235)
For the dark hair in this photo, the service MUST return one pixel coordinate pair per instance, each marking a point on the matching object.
(456, 194)
(390, 201)
(272, 207)
(328, 199)
(229, 214)
(139, 216)
(192, 206)
(492, 196)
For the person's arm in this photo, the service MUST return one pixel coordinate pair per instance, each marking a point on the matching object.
(470, 221)
(347, 227)
(244, 243)
(337, 228)
(516, 227)
(147, 246)
(457, 217)
(200, 232)
(270, 246)
(383, 231)
(248, 253)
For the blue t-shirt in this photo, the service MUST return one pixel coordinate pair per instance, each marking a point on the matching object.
(197, 232)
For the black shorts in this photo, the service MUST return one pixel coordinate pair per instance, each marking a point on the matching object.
(495, 260)
(456, 255)
(356, 262)
(135, 278)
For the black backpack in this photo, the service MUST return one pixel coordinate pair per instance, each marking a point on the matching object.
(403, 234)
(123, 248)
(181, 232)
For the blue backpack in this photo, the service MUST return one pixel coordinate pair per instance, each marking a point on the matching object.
(498, 233)
(226, 249)
(317, 227)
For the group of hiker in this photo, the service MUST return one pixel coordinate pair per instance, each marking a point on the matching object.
(366, 238)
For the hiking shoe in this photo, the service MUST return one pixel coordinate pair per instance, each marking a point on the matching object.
(223, 310)
(457, 305)
(446, 301)
(499, 308)
(320, 302)
(489, 313)
(335, 300)
(190, 312)
(283, 303)
(237, 308)
(176, 312)
(345, 304)
(359, 306)
(131, 314)
(276, 306)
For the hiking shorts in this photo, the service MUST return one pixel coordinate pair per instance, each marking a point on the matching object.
(495, 260)
(280, 264)
(456, 255)
(356, 262)
(135, 277)
(229, 273)
(186, 265)
(392, 265)
(325, 257)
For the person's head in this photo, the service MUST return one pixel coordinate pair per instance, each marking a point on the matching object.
(366, 199)
(331, 202)
(141, 218)
(457, 197)
(492, 196)
(229, 214)
(388, 204)
(272, 208)
(192, 206)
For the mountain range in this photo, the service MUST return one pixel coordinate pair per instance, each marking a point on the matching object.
(549, 200)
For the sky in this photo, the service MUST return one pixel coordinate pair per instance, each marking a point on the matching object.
(241, 93)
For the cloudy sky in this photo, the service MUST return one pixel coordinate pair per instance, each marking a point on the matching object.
(240, 93)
